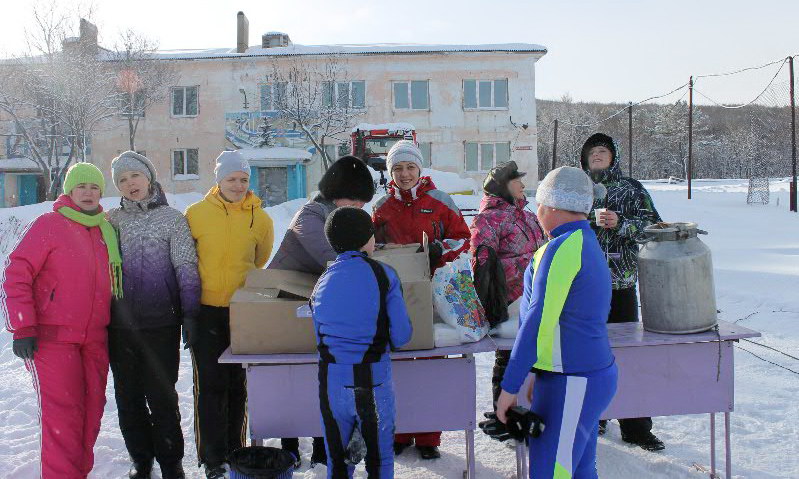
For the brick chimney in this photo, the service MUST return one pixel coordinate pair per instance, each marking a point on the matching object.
(242, 33)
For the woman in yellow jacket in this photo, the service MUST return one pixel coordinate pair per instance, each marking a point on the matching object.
(233, 235)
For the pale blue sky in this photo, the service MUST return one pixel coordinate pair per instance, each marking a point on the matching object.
(606, 50)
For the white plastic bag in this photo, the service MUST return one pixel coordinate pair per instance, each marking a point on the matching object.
(508, 329)
(455, 299)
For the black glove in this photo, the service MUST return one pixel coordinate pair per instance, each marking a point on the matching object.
(25, 347)
(494, 427)
(522, 423)
(191, 329)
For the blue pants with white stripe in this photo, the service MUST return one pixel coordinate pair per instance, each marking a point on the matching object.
(570, 405)
(358, 396)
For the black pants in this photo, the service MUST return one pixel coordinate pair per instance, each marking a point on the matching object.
(501, 359)
(220, 391)
(145, 367)
(624, 309)
(293, 444)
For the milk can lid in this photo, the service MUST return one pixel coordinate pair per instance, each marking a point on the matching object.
(672, 231)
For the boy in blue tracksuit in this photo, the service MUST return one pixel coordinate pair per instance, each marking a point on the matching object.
(563, 332)
(359, 316)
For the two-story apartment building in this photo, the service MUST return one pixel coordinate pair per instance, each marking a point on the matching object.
(472, 106)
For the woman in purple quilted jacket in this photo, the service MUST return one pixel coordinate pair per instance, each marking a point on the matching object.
(505, 225)
(161, 291)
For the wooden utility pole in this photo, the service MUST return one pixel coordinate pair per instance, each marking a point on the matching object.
(630, 136)
(690, 132)
(793, 136)
(555, 146)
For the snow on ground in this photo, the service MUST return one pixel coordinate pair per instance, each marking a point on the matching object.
(756, 260)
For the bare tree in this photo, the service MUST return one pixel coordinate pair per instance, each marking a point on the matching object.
(142, 80)
(305, 93)
(57, 94)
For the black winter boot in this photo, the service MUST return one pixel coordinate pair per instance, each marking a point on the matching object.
(140, 469)
(172, 471)
(319, 453)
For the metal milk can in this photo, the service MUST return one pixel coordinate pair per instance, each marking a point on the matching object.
(675, 273)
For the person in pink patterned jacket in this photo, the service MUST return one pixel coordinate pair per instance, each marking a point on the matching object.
(505, 225)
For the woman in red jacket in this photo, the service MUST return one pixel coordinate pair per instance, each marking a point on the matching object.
(55, 296)
(413, 206)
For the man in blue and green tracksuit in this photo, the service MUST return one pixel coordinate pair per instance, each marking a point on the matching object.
(359, 316)
(563, 333)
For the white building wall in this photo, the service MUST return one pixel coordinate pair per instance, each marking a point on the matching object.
(446, 124)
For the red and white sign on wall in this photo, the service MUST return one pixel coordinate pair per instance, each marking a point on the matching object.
(523, 148)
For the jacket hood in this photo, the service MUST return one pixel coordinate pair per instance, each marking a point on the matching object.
(156, 199)
(610, 174)
(66, 200)
(424, 185)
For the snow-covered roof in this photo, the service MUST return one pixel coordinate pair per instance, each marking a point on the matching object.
(18, 164)
(275, 153)
(383, 126)
(368, 49)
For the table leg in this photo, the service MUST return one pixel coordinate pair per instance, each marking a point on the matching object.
(525, 464)
(470, 460)
(727, 447)
(712, 445)
(520, 453)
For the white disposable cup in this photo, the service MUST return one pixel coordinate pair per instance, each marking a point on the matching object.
(597, 216)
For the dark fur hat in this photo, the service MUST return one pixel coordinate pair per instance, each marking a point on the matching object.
(496, 182)
(349, 177)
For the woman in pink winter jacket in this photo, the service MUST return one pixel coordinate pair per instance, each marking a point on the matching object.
(55, 297)
(512, 231)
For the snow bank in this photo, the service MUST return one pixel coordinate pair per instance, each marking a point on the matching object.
(756, 260)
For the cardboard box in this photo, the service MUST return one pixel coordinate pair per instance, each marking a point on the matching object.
(263, 314)
(413, 270)
(264, 318)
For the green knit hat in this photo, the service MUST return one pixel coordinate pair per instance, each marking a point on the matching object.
(83, 173)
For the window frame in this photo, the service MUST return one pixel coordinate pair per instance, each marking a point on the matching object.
(480, 145)
(273, 94)
(138, 97)
(335, 98)
(493, 106)
(409, 84)
(185, 175)
(172, 101)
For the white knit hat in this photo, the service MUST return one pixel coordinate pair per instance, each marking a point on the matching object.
(404, 150)
(570, 189)
(230, 162)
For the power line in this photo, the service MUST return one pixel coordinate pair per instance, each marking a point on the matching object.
(656, 97)
(741, 70)
(735, 107)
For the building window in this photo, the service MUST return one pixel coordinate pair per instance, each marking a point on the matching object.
(273, 95)
(426, 148)
(485, 94)
(185, 164)
(482, 157)
(344, 94)
(185, 101)
(131, 108)
(411, 95)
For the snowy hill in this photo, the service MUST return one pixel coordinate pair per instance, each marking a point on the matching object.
(756, 259)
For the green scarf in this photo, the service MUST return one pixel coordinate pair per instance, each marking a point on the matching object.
(110, 238)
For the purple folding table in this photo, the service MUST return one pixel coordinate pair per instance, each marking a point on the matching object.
(670, 374)
(431, 394)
